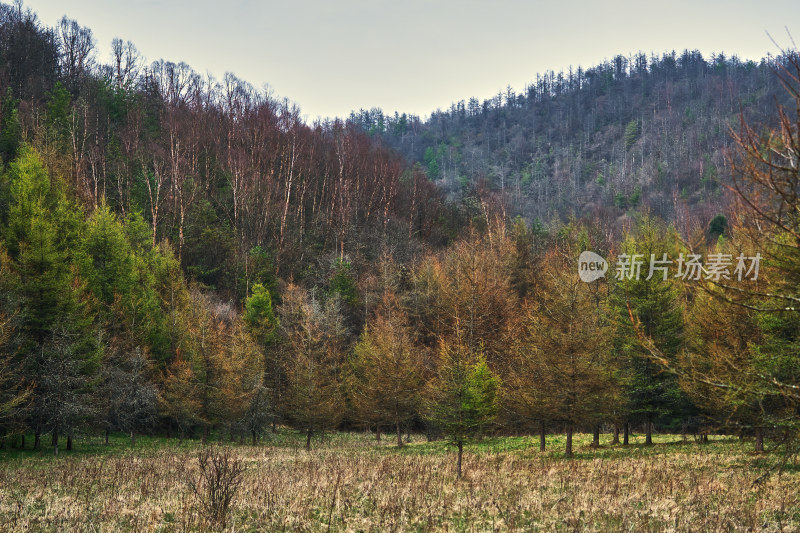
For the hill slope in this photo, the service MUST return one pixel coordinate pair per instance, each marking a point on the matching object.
(631, 132)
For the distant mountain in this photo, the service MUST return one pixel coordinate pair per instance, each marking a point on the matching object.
(631, 132)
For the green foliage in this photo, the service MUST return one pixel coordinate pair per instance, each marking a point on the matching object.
(58, 342)
(655, 307)
(209, 252)
(108, 262)
(261, 269)
(464, 394)
(717, 227)
(260, 317)
(631, 133)
(342, 282)
(431, 164)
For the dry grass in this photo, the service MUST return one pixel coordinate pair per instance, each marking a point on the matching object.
(352, 483)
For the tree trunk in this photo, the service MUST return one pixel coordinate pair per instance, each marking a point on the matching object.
(106, 437)
(308, 440)
(22, 443)
(377, 432)
(759, 439)
(626, 430)
(205, 434)
(37, 441)
(254, 437)
(596, 436)
(648, 439)
(615, 440)
(542, 436)
(458, 463)
(399, 434)
(568, 449)
(54, 442)
(133, 438)
(69, 442)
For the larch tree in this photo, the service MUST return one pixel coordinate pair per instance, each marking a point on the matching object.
(462, 399)
(569, 354)
(13, 394)
(764, 163)
(314, 334)
(387, 369)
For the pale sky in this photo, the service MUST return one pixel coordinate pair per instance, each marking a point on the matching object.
(331, 57)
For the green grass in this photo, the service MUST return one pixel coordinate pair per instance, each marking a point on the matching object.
(94, 445)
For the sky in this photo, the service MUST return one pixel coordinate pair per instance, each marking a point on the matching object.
(334, 56)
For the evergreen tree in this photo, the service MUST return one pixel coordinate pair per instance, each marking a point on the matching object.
(651, 308)
(60, 349)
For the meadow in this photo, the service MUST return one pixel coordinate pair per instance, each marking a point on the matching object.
(351, 482)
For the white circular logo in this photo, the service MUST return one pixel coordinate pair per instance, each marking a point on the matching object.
(591, 267)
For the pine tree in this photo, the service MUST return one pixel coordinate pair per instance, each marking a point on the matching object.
(651, 307)
(60, 349)
(261, 322)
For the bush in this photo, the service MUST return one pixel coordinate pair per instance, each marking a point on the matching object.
(218, 480)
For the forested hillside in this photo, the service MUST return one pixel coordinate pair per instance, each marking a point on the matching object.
(185, 256)
(629, 133)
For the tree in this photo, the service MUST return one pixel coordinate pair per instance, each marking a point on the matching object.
(128, 398)
(225, 361)
(759, 380)
(59, 346)
(261, 322)
(12, 393)
(462, 398)
(387, 370)
(651, 307)
(724, 343)
(76, 47)
(108, 261)
(314, 333)
(569, 370)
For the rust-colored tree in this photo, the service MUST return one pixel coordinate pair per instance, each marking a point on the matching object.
(314, 333)
(386, 368)
(566, 368)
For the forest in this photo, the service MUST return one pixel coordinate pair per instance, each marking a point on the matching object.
(186, 257)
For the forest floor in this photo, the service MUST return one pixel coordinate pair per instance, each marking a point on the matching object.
(350, 482)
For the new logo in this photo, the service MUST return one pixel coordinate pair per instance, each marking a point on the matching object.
(591, 267)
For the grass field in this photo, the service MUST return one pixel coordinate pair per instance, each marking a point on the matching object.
(350, 482)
